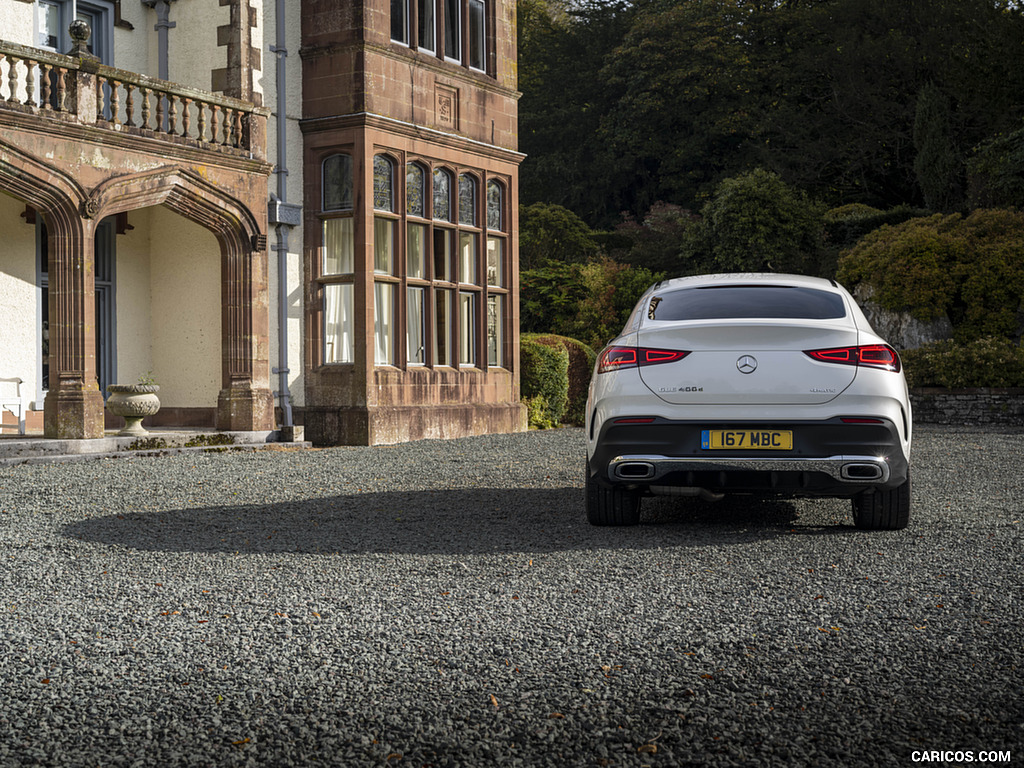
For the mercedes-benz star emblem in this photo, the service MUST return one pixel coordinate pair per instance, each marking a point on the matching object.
(746, 364)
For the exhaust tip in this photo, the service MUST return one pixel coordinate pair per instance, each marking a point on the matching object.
(635, 470)
(861, 472)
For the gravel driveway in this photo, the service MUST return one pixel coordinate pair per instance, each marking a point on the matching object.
(446, 603)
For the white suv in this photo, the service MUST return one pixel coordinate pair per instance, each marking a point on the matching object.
(752, 384)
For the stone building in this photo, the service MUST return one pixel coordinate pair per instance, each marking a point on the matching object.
(284, 212)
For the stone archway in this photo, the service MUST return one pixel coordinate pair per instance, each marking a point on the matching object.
(74, 405)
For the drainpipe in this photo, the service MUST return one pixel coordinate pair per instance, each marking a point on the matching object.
(163, 9)
(283, 216)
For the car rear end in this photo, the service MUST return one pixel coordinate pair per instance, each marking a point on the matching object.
(747, 384)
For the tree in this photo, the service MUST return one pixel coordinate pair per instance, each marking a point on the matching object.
(757, 223)
(551, 233)
(938, 164)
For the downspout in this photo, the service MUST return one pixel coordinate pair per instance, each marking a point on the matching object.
(284, 217)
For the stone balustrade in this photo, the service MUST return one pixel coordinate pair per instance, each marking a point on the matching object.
(82, 91)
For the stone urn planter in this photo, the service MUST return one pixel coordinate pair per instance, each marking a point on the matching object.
(133, 402)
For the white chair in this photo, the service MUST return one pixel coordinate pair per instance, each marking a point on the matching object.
(13, 403)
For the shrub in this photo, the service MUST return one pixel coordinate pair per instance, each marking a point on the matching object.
(988, 362)
(544, 373)
(969, 269)
(581, 367)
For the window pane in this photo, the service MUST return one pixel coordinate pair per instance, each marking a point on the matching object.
(382, 195)
(495, 329)
(425, 23)
(384, 246)
(496, 261)
(442, 195)
(415, 326)
(339, 255)
(443, 241)
(452, 30)
(337, 183)
(467, 257)
(467, 329)
(399, 27)
(747, 302)
(467, 200)
(49, 26)
(442, 327)
(383, 323)
(416, 251)
(339, 345)
(415, 200)
(495, 206)
(477, 41)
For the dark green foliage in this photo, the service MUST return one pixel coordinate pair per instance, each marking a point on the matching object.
(987, 362)
(550, 233)
(654, 242)
(544, 373)
(627, 104)
(756, 223)
(939, 165)
(581, 367)
(970, 269)
(997, 173)
(589, 302)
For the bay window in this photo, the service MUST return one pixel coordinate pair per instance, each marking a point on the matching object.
(337, 259)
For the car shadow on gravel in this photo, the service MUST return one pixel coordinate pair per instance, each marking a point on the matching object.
(460, 521)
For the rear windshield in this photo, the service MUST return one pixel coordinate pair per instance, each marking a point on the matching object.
(746, 301)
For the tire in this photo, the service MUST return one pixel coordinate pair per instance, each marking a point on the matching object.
(883, 510)
(611, 504)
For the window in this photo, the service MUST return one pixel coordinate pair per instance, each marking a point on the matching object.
(425, 27)
(383, 323)
(339, 345)
(467, 257)
(442, 326)
(496, 261)
(442, 195)
(495, 329)
(467, 328)
(452, 30)
(53, 17)
(467, 47)
(400, 21)
(416, 322)
(384, 293)
(747, 302)
(467, 200)
(495, 206)
(415, 190)
(337, 183)
(337, 259)
(477, 34)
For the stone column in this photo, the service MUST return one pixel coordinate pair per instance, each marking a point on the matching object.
(245, 402)
(73, 408)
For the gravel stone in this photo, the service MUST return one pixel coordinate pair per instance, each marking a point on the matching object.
(445, 603)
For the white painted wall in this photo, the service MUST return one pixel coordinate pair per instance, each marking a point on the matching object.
(18, 303)
(192, 44)
(268, 85)
(17, 22)
(169, 307)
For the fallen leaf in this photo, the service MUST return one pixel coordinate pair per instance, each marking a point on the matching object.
(494, 701)
(650, 749)
(556, 716)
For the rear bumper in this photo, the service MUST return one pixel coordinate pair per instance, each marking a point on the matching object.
(829, 458)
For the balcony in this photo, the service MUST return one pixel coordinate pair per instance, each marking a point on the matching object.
(79, 91)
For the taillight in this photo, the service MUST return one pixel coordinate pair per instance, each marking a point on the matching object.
(872, 356)
(618, 358)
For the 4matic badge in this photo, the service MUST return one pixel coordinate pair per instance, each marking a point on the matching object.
(671, 390)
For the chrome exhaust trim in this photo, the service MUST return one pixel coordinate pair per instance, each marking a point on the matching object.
(847, 469)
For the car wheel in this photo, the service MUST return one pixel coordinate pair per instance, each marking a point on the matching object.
(611, 504)
(883, 510)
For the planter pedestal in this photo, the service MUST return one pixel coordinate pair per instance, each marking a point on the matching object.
(133, 402)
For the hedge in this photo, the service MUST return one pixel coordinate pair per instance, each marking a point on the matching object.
(544, 382)
(581, 367)
(988, 362)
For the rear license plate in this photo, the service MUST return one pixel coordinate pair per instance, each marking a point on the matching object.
(746, 439)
